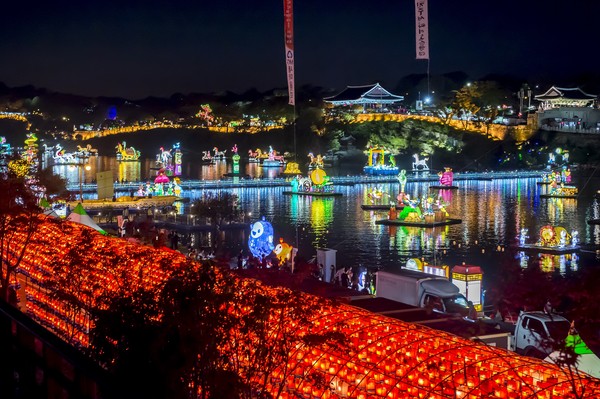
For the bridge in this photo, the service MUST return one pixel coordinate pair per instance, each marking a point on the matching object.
(240, 182)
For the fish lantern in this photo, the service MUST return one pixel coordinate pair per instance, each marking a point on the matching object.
(260, 241)
(283, 251)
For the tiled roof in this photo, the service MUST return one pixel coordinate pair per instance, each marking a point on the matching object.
(565, 93)
(364, 94)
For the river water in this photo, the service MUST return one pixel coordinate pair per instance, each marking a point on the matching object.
(492, 213)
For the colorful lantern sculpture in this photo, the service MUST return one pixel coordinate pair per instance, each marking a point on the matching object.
(283, 251)
(260, 241)
(236, 159)
(446, 177)
(177, 159)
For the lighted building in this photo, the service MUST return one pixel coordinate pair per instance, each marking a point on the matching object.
(372, 98)
(568, 109)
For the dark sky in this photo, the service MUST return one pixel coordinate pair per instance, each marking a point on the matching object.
(136, 49)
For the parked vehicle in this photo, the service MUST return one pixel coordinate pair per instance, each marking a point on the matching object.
(537, 333)
(423, 290)
(553, 338)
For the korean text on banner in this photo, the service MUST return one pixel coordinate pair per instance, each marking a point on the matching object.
(422, 29)
(288, 14)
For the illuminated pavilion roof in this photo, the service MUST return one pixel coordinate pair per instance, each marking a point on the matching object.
(369, 94)
(382, 357)
(565, 97)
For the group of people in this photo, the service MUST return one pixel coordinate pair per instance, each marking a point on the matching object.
(347, 278)
(193, 254)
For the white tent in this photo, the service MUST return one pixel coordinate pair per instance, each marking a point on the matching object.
(51, 212)
(79, 215)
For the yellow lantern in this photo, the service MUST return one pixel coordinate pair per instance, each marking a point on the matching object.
(317, 176)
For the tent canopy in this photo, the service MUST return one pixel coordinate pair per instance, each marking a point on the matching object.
(79, 215)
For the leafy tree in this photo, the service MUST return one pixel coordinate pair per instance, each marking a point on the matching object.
(217, 208)
(19, 220)
(53, 184)
(466, 103)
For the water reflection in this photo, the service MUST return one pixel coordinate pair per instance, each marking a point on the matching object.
(550, 263)
(145, 169)
(129, 171)
(493, 212)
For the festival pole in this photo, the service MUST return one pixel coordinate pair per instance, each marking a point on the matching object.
(422, 34)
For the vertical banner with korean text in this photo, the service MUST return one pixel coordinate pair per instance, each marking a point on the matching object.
(288, 15)
(422, 29)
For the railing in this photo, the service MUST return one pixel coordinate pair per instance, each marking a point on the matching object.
(422, 176)
(594, 130)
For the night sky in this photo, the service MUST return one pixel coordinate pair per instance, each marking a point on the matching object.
(136, 49)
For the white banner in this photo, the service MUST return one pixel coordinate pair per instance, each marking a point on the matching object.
(288, 15)
(422, 29)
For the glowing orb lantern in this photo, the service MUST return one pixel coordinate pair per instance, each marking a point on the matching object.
(468, 280)
(318, 176)
(260, 241)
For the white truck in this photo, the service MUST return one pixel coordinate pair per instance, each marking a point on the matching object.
(536, 333)
(542, 335)
(422, 290)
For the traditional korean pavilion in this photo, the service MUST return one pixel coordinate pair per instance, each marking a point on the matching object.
(369, 96)
(568, 109)
(558, 97)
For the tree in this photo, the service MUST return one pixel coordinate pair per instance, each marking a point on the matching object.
(465, 104)
(53, 184)
(19, 220)
(217, 208)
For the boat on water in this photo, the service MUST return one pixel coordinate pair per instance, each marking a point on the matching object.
(127, 202)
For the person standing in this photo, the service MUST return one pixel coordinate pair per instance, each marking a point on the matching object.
(174, 239)
(345, 278)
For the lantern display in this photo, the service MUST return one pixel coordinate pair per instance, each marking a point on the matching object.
(260, 241)
(283, 251)
(381, 357)
(468, 280)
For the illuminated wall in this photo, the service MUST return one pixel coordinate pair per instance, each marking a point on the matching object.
(382, 357)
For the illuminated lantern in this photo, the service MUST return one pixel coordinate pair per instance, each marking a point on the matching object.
(260, 241)
(447, 177)
(318, 176)
(177, 159)
(468, 280)
(161, 176)
(283, 251)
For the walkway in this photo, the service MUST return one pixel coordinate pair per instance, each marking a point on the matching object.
(337, 181)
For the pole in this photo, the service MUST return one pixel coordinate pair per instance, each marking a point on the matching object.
(295, 149)
(80, 166)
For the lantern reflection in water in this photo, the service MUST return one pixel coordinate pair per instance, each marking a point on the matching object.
(381, 357)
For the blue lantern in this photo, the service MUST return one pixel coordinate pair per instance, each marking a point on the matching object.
(260, 241)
